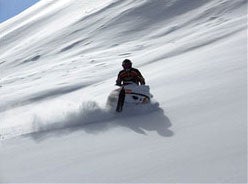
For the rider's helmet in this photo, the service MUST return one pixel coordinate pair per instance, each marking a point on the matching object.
(127, 64)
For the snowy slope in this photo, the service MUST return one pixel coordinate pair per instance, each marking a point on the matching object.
(59, 61)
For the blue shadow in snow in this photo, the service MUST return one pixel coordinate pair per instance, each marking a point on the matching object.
(155, 121)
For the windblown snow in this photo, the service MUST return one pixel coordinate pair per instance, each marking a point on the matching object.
(59, 61)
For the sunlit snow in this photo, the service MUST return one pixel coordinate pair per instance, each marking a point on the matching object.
(59, 61)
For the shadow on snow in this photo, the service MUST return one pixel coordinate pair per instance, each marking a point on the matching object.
(93, 119)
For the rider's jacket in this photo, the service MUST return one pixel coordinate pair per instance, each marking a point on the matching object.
(131, 75)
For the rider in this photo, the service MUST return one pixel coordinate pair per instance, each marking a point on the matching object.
(129, 74)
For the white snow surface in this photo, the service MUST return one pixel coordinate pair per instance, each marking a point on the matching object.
(59, 61)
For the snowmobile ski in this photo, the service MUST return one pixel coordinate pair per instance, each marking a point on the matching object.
(121, 100)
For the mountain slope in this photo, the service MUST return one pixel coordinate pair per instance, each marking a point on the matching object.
(59, 62)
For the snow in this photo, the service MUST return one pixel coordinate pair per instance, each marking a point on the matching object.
(59, 61)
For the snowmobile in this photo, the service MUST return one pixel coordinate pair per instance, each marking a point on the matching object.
(131, 95)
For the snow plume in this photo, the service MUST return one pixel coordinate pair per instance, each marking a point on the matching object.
(87, 113)
(63, 117)
(56, 118)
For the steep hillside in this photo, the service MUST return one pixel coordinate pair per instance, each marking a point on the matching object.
(59, 61)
